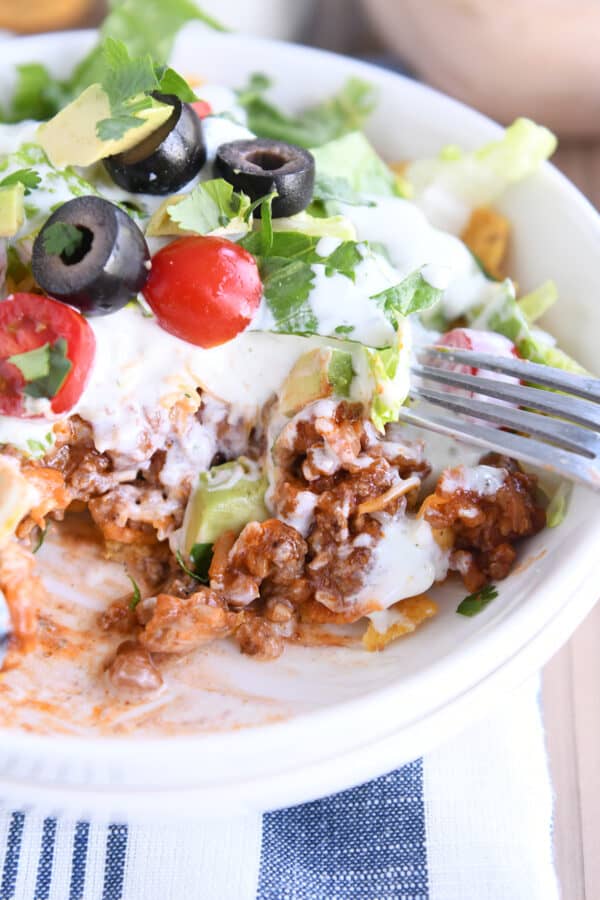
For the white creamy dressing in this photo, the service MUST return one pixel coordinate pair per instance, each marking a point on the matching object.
(407, 561)
(482, 480)
(413, 243)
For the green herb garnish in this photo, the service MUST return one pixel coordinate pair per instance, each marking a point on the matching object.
(62, 239)
(201, 556)
(475, 603)
(412, 294)
(44, 369)
(212, 204)
(41, 538)
(346, 111)
(137, 596)
(29, 178)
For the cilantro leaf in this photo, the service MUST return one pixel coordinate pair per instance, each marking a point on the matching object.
(201, 556)
(62, 239)
(212, 204)
(266, 222)
(48, 384)
(344, 112)
(170, 82)
(412, 294)
(144, 28)
(137, 594)
(287, 284)
(475, 603)
(127, 83)
(29, 178)
(42, 532)
(34, 363)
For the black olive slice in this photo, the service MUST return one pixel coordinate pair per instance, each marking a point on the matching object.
(167, 159)
(260, 166)
(107, 268)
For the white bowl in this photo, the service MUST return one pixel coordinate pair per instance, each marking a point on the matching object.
(258, 736)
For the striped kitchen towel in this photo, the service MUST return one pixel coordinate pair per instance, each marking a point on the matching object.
(469, 821)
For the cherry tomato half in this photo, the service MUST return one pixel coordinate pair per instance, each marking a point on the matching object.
(28, 321)
(480, 342)
(202, 108)
(204, 290)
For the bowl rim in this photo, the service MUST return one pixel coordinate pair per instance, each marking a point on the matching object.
(373, 704)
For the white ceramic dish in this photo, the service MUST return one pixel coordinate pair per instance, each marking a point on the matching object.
(258, 736)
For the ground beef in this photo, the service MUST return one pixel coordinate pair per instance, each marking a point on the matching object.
(485, 527)
(132, 672)
(181, 624)
(268, 552)
(259, 638)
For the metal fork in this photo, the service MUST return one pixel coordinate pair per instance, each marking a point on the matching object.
(558, 430)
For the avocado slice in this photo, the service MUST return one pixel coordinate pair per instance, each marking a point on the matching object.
(70, 139)
(12, 210)
(317, 374)
(226, 498)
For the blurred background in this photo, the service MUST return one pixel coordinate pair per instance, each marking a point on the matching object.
(532, 57)
(537, 58)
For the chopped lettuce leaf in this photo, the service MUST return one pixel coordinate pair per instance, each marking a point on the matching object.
(413, 294)
(213, 207)
(539, 301)
(558, 505)
(390, 369)
(343, 112)
(505, 315)
(481, 176)
(351, 164)
(330, 226)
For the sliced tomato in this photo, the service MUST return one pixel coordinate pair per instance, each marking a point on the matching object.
(480, 342)
(202, 108)
(204, 290)
(28, 321)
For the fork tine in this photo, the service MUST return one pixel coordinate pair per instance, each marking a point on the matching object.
(561, 434)
(528, 450)
(580, 385)
(576, 410)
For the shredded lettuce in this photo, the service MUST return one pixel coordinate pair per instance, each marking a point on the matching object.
(505, 315)
(343, 112)
(481, 176)
(349, 167)
(539, 301)
(559, 504)
(316, 226)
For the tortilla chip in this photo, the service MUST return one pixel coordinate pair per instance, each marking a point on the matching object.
(486, 236)
(409, 614)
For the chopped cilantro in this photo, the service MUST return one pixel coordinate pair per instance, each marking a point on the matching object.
(137, 596)
(127, 83)
(212, 204)
(34, 363)
(344, 112)
(478, 601)
(44, 369)
(201, 556)
(29, 178)
(42, 532)
(412, 294)
(62, 239)
(186, 569)
(170, 82)
(344, 329)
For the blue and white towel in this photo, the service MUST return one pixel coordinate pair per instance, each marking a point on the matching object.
(469, 821)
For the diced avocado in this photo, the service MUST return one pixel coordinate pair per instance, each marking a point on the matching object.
(70, 139)
(226, 498)
(12, 211)
(161, 224)
(318, 374)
